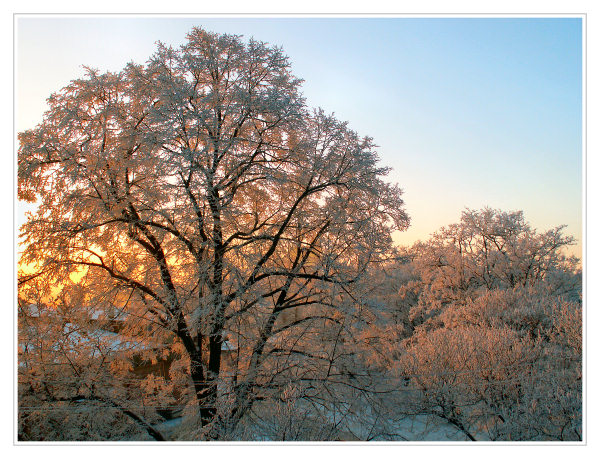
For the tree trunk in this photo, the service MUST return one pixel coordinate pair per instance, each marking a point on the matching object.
(205, 388)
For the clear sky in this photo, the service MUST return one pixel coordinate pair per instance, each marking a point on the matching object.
(468, 112)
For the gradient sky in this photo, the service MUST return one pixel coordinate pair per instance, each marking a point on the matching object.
(468, 112)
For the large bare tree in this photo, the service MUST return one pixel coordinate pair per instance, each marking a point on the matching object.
(199, 194)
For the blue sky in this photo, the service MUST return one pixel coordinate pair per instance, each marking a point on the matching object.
(467, 112)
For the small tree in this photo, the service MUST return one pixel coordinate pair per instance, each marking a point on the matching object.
(493, 382)
(223, 211)
(75, 373)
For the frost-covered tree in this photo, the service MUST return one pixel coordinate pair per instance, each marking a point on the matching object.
(201, 193)
(75, 374)
(494, 343)
(491, 381)
(487, 250)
